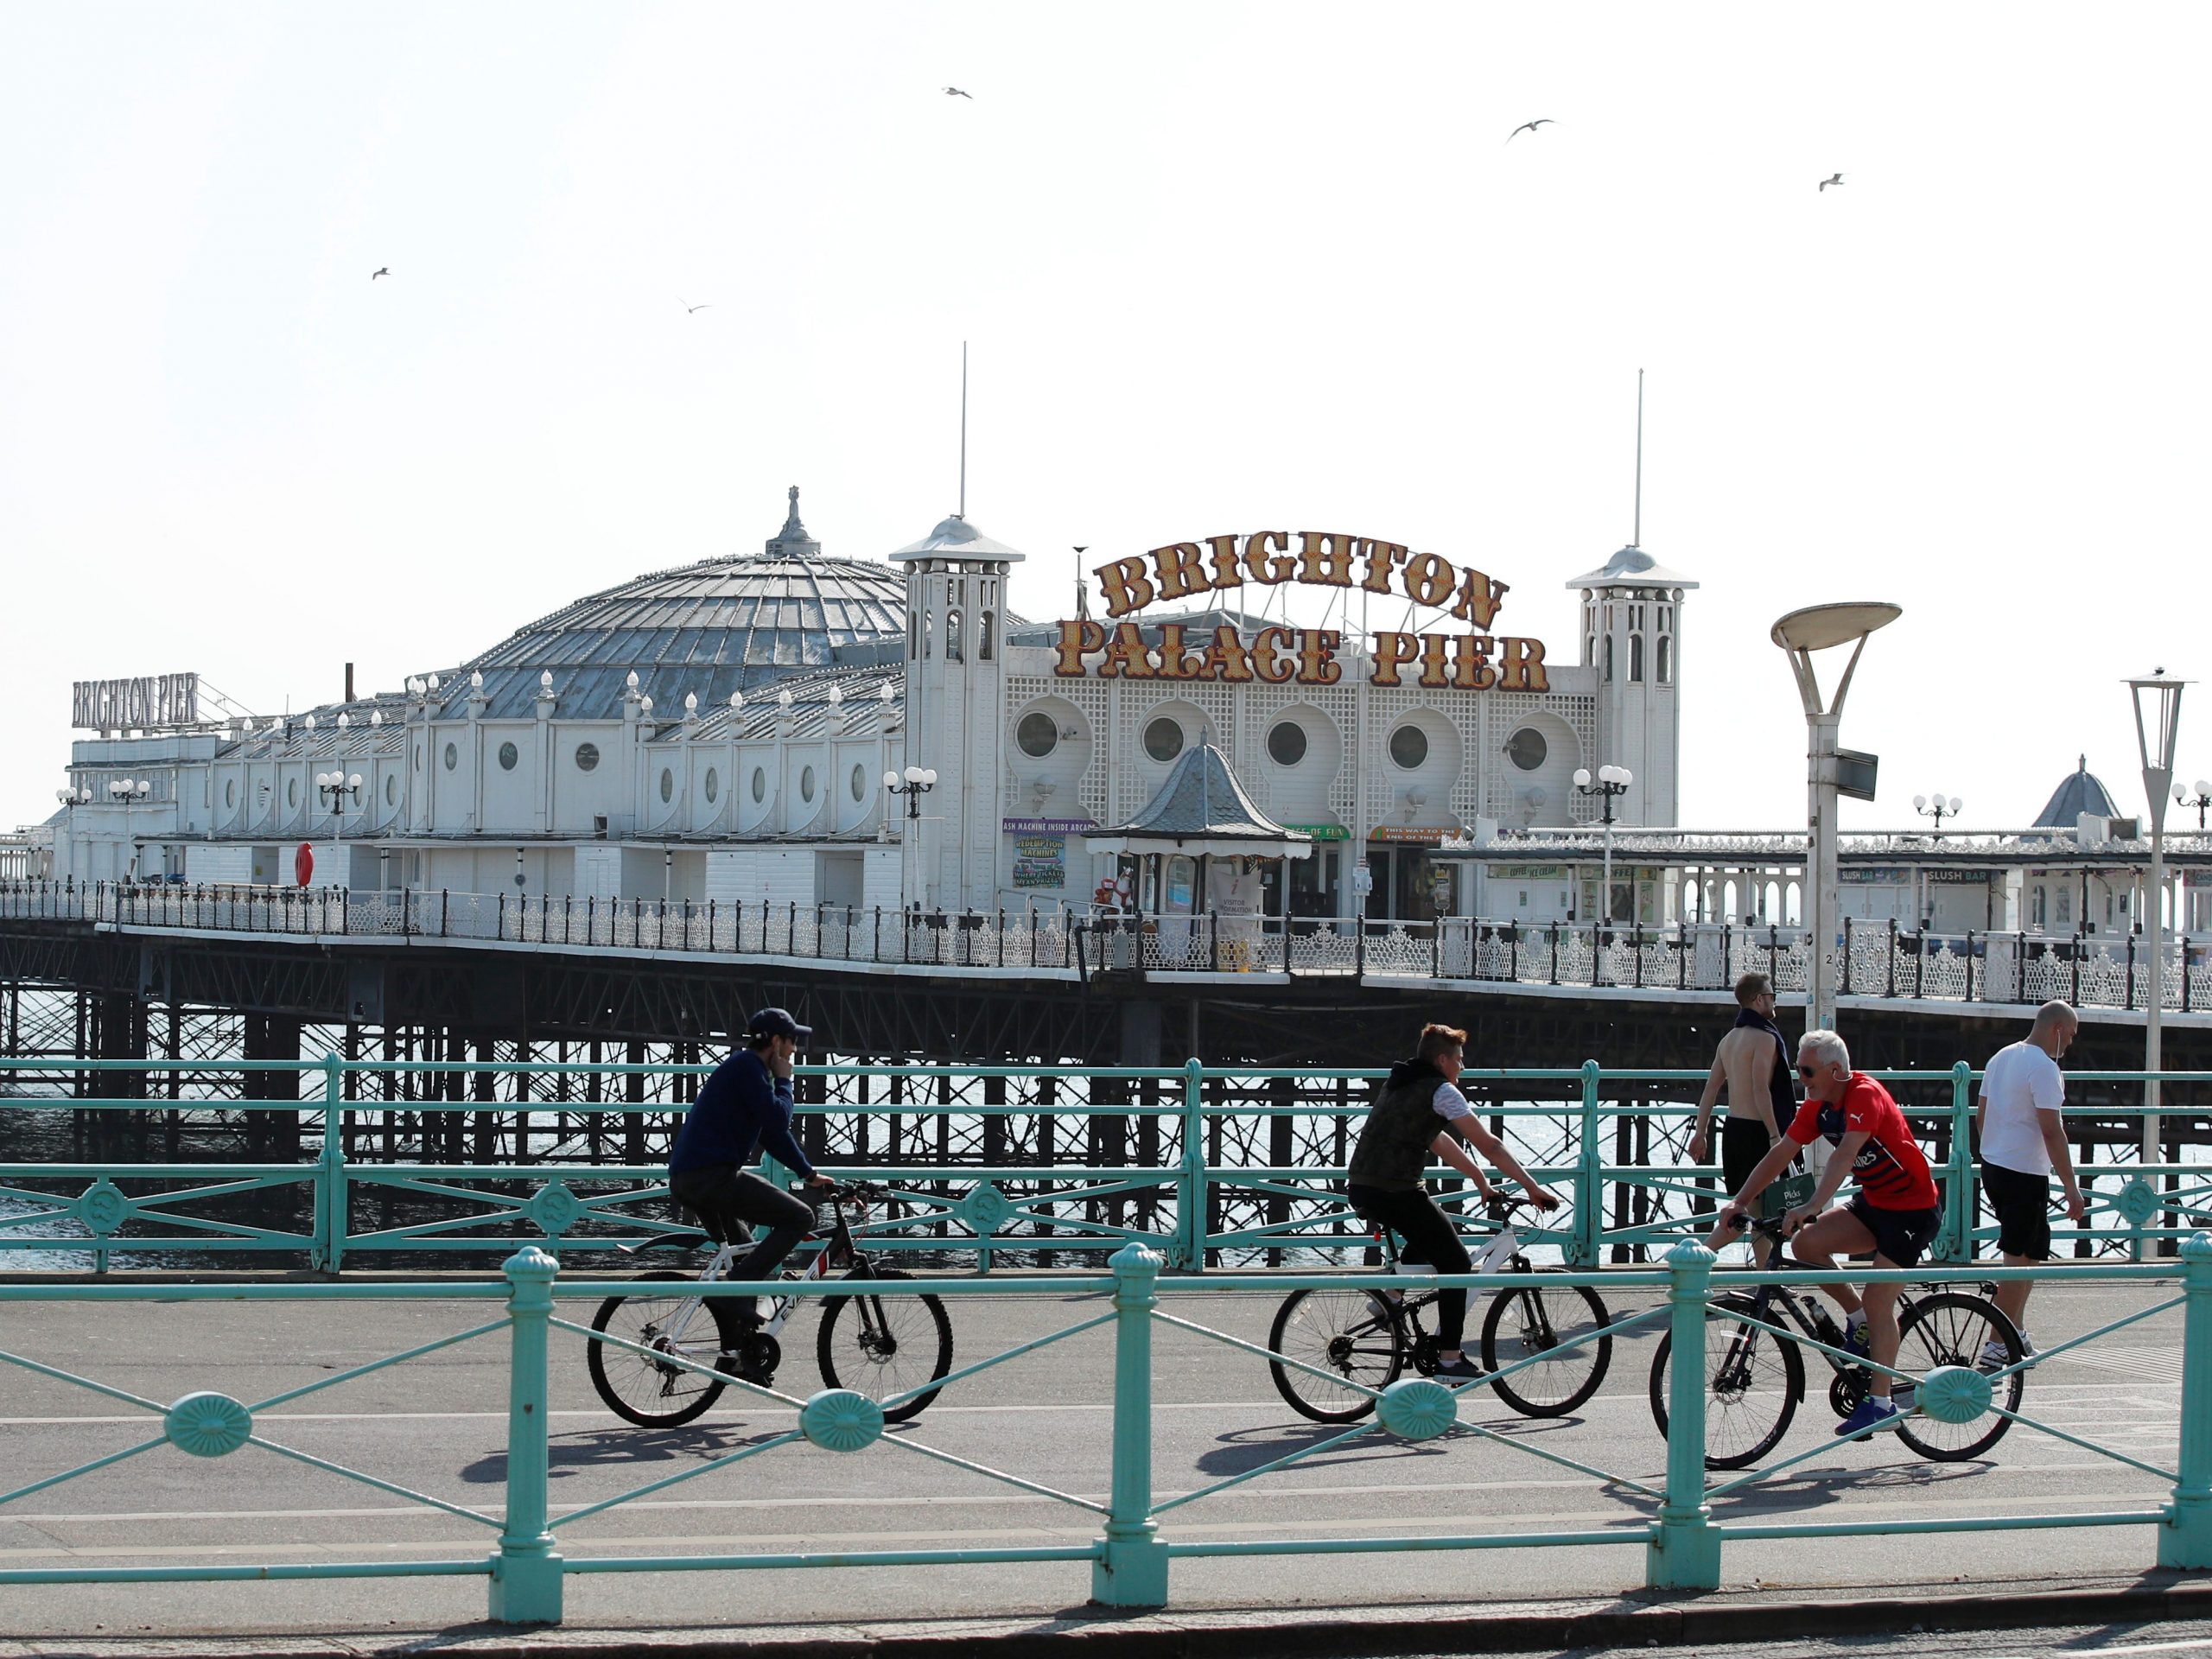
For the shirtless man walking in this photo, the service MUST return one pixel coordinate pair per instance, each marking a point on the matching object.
(1753, 1063)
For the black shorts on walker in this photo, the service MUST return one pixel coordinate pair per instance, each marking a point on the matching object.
(2021, 1203)
(1900, 1235)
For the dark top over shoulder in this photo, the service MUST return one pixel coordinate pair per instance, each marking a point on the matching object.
(741, 1109)
(1782, 1093)
(1394, 1142)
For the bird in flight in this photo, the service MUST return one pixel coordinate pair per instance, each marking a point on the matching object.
(689, 307)
(381, 271)
(1529, 126)
(954, 92)
(1832, 178)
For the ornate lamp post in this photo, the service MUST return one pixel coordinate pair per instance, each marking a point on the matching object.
(1822, 627)
(2157, 717)
(338, 792)
(919, 780)
(1938, 808)
(2201, 799)
(1611, 785)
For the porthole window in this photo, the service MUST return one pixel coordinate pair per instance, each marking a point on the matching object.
(806, 783)
(391, 789)
(292, 793)
(1525, 748)
(1286, 743)
(760, 785)
(714, 785)
(1039, 735)
(667, 784)
(859, 782)
(231, 792)
(453, 757)
(508, 755)
(1408, 747)
(1163, 738)
(587, 756)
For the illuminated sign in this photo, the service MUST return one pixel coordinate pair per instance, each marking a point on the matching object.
(1471, 661)
(140, 704)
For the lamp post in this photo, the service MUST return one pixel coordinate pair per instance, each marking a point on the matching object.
(1938, 808)
(2200, 800)
(1611, 785)
(2157, 717)
(1822, 627)
(336, 790)
(919, 780)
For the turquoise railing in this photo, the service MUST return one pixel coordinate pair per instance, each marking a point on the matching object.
(1671, 1514)
(1199, 1209)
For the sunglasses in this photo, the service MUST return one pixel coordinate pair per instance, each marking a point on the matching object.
(1808, 1071)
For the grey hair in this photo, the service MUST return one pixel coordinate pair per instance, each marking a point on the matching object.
(2052, 1015)
(1826, 1048)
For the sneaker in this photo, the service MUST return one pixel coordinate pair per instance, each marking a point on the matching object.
(1461, 1370)
(1871, 1413)
(1995, 1355)
(1857, 1340)
(733, 1364)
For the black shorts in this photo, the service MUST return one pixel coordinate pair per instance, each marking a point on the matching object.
(2021, 1203)
(1744, 1142)
(1900, 1235)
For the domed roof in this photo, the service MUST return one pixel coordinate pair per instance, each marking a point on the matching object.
(2081, 791)
(1631, 567)
(954, 538)
(713, 627)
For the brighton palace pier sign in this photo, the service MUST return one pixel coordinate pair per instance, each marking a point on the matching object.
(1472, 659)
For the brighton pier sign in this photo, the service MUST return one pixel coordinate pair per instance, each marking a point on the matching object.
(148, 703)
(1472, 659)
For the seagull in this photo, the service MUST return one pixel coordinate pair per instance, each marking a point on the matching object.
(382, 270)
(689, 307)
(1529, 126)
(1832, 178)
(954, 92)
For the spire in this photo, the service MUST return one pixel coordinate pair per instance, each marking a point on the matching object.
(792, 539)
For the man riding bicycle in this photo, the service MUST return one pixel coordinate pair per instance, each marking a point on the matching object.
(1418, 1114)
(1895, 1215)
(746, 1105)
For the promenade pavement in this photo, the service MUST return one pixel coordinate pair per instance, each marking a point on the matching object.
(437, 1425)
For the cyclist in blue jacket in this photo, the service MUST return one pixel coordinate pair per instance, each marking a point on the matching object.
(746, 1106)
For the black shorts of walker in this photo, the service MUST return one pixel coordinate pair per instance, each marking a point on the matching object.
(2021, 1203)
(1744, 1142)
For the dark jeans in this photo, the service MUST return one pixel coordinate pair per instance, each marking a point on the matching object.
(727, 1200)
(1430, 1238)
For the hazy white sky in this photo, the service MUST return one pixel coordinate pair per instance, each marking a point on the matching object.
(1223, 268)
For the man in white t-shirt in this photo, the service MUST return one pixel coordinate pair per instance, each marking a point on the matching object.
(2023, 1139)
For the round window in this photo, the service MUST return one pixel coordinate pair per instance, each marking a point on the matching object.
(292, 793)
(1039, 735)
(806, 783)
(1525, 748)
(453, 757)
(231, 792)
(714, 785)
(1408, 747)
(860, 783)
(587, 756)
(1286, 743)
(391, 789)
(508, 755)
(1163, 738)
(760, 785)
(667, 784)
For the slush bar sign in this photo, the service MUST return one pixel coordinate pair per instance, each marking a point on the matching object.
(135, 705)
(1469, 660)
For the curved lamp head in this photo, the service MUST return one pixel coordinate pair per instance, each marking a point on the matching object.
(1819, 627)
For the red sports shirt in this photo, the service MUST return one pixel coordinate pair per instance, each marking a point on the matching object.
(1891, 1169)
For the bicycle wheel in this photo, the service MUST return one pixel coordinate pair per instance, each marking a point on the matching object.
(650, 1392)
(1754, 1380)
(886, 1344)
(1553, 1322)
(1353, 1334)
(1953, 1329)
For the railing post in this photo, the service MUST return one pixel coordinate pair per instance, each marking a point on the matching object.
(526, 1571)
(1131, 1569)
(1958, 1196)
(330, 1198)
(1590, 1176)
(1684, 1552)
(2185, 1536)
(1191, 1224)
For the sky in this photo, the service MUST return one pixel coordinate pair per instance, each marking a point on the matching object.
(1219, 267)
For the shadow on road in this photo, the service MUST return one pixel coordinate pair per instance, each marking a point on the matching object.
(616, 1448)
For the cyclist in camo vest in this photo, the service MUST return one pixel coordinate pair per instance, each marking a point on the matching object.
(1420, 1114)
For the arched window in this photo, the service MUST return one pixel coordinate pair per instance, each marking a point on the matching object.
(928, 627)
(1665, 675)
(983, 641)
(913, 634)
(1635, 658)
(952, 637)
(1609, 659)
(1590, 649)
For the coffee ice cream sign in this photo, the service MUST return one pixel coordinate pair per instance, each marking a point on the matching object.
(1467, 658)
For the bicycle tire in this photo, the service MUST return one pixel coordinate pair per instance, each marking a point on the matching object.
(875, 1332)
(1551, 1388)
(1737, 1431)
(1356, 1334)
(688, 1393)
(1952, 1329)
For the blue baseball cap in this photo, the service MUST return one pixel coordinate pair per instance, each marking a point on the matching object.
(777, 1022)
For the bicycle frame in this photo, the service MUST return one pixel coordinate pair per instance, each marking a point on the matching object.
(837, 1250)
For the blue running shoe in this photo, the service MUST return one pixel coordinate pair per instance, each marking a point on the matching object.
(1871, 1413)
(1857, 1341)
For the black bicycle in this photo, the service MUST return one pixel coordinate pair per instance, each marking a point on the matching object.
(881, 1346)
(1755, 1371)
(1368, 1338)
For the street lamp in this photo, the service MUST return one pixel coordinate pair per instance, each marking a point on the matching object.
(2157, 717)
(1938, 809)
(919, 780)
(1822, 627)
(2200, 800)
(1611, 785)
(337, 791)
